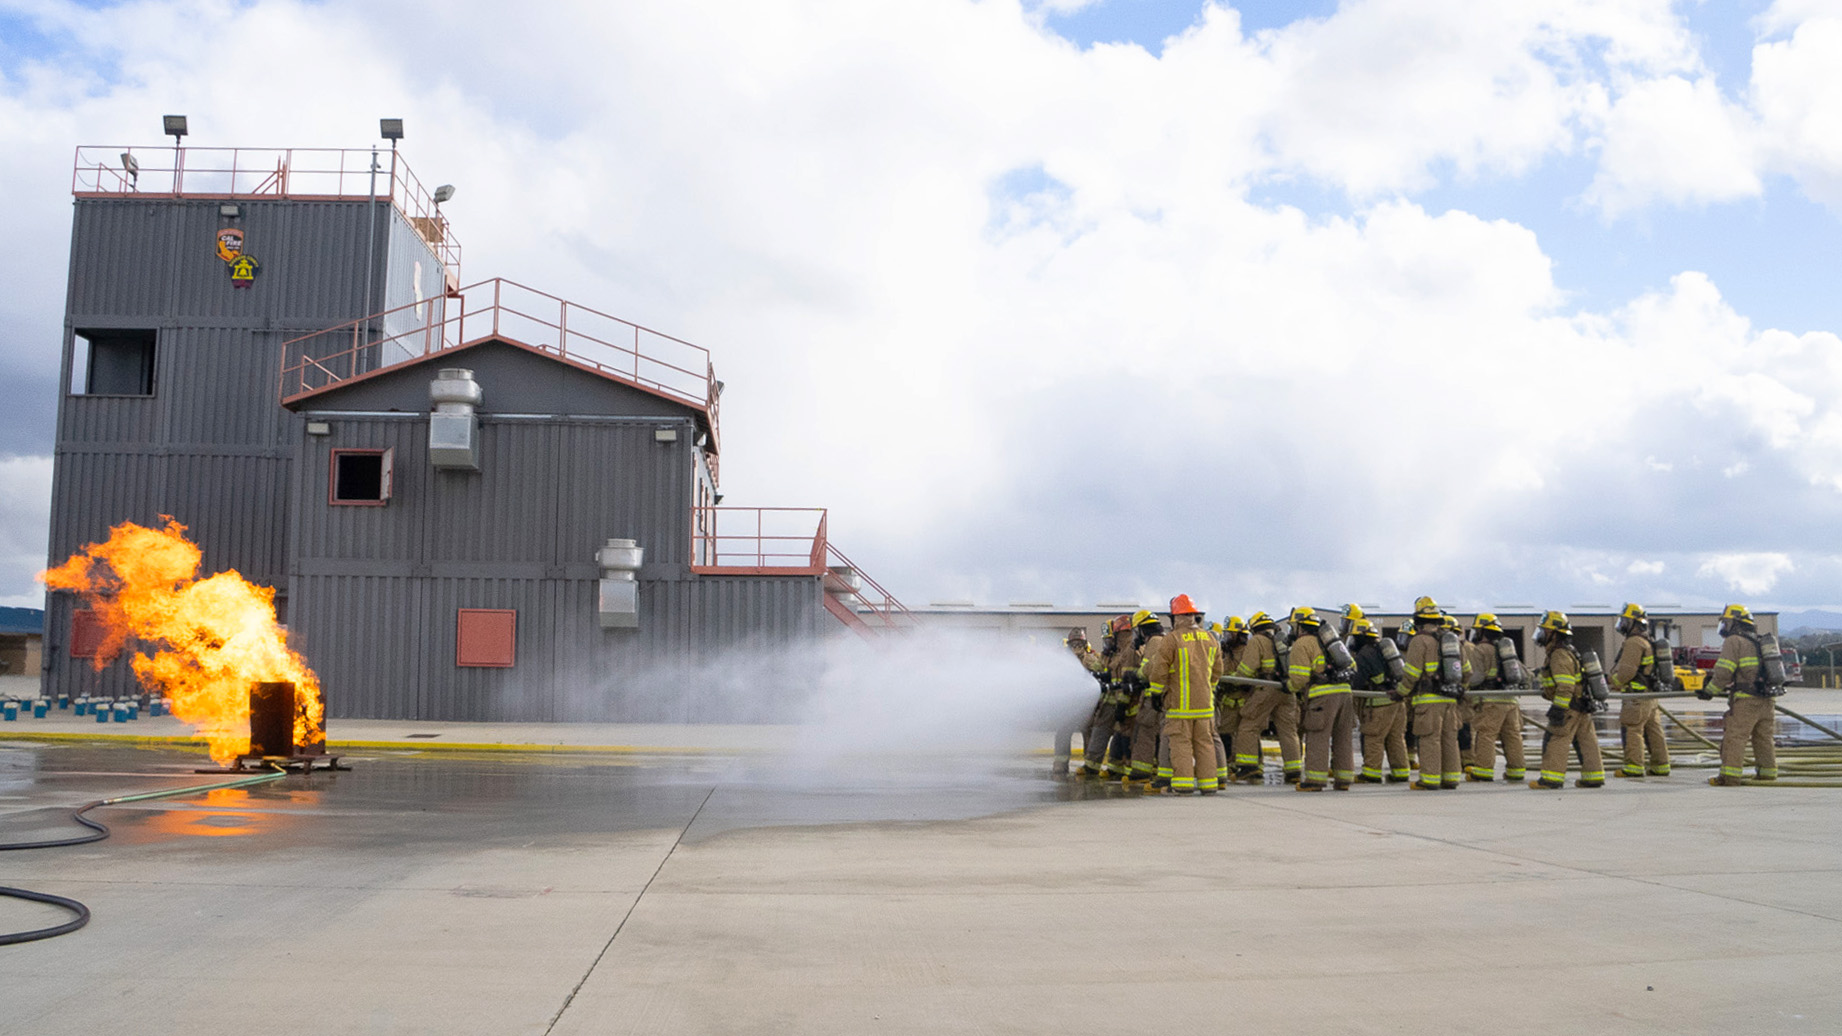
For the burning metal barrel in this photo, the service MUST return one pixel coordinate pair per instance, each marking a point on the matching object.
(273, 711)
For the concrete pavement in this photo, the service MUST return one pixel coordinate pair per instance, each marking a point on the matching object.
(632, 893)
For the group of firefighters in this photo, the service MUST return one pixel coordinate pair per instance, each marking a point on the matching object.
(1182, 708)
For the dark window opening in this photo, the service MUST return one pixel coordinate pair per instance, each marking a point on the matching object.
(114, 362)
(360, 476)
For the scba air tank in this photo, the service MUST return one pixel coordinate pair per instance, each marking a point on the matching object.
(1451, 660)
(1336, 652)
(1662, 665)
(1593, 676)
(1509, 665)
(1391, 658)
(1771, 665)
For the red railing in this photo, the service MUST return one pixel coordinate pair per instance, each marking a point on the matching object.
(792, 541)
(867, 597)
(758, 540)
(510, 312)
(289, 173)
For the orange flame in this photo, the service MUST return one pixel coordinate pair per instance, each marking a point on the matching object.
(213, 638)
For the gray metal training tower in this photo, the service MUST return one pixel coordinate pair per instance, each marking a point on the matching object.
(475, 503)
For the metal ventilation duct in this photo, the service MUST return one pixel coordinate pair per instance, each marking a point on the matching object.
(454, 431)
(619, 599)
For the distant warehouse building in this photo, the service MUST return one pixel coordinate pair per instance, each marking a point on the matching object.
(475, 503)
(1594, 625)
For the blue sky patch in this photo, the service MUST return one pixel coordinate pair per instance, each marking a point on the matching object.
(1149, 23)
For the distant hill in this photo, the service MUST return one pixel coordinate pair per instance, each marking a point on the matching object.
(22, 620)
(1798, 623)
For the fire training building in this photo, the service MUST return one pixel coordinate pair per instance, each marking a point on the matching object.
(474, 503)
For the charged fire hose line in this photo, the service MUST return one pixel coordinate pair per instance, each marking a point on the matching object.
(1677, 720)
(98, 831)
(1807, 721)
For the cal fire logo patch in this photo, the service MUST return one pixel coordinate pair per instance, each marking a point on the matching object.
(243, 267)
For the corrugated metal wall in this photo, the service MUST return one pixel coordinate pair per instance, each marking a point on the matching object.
(212, 446)
(709, 648)
(376, 591)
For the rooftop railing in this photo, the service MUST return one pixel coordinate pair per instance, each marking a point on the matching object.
(285, 173)
(500, 309)
(758, 540)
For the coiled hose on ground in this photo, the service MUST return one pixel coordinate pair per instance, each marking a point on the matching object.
(98, 831)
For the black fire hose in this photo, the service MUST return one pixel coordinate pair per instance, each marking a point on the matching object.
(98, 831)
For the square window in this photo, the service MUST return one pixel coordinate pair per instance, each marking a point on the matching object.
(486, 637)
(86, 633)
(114, 362)
(359, 477)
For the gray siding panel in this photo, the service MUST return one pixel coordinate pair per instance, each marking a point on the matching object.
(710, 649)
(212, 446)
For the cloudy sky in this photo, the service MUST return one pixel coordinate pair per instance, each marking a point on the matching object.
(1530, 301)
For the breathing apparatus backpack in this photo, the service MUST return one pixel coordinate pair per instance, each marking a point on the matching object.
(1339, 665)
(1509, 666)
(1771, 676)
(1593, 686)
(1392, 662)
(1451, 664)
(1662, 664)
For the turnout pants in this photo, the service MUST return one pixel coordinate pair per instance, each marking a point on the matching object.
(1494, 723)
(1435, 723)
(1749, 719)
(1384, 732)
(1576, 729)
(1279, 706)
(1099, 734)
(1330, 727)
(1145, 758)
(1228, 725)
(1192, 753)
(1640, 721)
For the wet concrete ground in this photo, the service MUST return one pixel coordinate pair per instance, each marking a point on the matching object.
(533, 893)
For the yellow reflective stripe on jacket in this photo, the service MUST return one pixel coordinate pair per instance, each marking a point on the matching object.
(1328, 688)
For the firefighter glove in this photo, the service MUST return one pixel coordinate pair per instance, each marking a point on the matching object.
(1556, 715)
(1157, 701)
(1704, 693)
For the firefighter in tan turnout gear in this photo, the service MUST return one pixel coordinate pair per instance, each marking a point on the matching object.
(1750, 673)
(1094, 663)
(1107, 749)
(1260, 660)
(1147, 707)
(1495, 719)
(1570, 714)
(1383, 720)
(1231, 697)
(1640, 720)
(1435, 680)
(1319, 668)
(1183, 668)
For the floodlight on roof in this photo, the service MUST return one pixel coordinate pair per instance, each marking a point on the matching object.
(175, 126)
(131, 167)
(391, 130)
(443, 193)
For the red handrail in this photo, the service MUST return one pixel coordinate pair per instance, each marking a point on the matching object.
(656, 362)
(746, 540)
(288, 173)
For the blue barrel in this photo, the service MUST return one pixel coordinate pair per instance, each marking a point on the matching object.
(10, 710)
(83, 707)
(156, 707)
(63, 701)
(102, 714)
(41, 708)
(134, 710)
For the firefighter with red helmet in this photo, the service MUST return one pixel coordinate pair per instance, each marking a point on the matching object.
(1183, 668)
